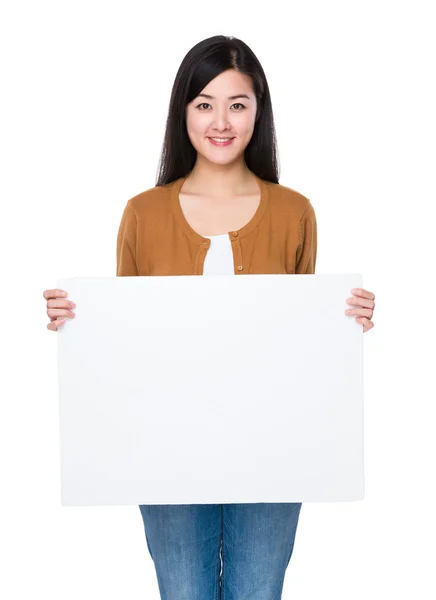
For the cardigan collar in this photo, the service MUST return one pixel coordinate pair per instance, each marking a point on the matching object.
(240, 233)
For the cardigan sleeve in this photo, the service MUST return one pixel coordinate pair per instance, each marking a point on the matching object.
(126, 243)
(307, 248)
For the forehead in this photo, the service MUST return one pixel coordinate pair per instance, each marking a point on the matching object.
(229, 83)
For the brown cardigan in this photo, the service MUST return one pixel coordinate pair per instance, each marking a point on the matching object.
(154, 238)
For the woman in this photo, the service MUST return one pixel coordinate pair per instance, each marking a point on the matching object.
(217, 208)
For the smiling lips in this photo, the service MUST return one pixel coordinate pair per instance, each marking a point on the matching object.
(221, 141)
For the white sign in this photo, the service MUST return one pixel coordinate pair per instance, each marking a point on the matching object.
(218, 389)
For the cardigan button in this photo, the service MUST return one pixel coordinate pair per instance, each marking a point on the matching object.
(235, 233)
(240, 267)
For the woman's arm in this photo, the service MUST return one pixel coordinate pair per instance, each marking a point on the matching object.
(126, 243)
(306, 251)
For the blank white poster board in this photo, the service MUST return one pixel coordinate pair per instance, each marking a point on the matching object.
(218, 389)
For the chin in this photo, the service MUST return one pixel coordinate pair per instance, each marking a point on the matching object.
(224, 160)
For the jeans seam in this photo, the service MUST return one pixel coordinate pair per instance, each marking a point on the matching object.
(222, 551)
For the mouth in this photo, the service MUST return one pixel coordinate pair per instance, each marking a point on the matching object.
(221, 141)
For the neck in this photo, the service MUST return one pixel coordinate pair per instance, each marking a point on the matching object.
(233, 179)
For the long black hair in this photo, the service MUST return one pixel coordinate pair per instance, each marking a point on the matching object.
(205, 61)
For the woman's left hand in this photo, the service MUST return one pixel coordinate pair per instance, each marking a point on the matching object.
(364, 299)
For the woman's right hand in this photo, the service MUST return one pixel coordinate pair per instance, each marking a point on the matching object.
(58, 307)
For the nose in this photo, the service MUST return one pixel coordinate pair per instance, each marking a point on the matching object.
(221, 121)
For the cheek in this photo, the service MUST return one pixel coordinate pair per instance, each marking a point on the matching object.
(196, 124)
(244, 125)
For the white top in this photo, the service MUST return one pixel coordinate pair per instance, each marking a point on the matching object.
(219, 257)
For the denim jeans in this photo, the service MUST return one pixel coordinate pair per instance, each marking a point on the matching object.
(220, 551)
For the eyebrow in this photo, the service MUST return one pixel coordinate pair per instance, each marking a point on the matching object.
(230, 97)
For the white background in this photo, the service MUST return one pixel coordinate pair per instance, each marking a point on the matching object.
(85, 93)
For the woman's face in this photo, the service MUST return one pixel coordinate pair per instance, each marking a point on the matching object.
(225, 108)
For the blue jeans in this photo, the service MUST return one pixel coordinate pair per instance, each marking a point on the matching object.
(220, 551)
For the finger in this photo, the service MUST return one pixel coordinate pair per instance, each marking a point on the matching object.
(54, 325)
(56, 293)
(363, 293)
(60, 312)
(367, 324)
(361, 312)
(356, 301)
(55, 303)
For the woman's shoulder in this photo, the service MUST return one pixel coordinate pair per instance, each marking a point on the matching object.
(284, 198)
(153, 199)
